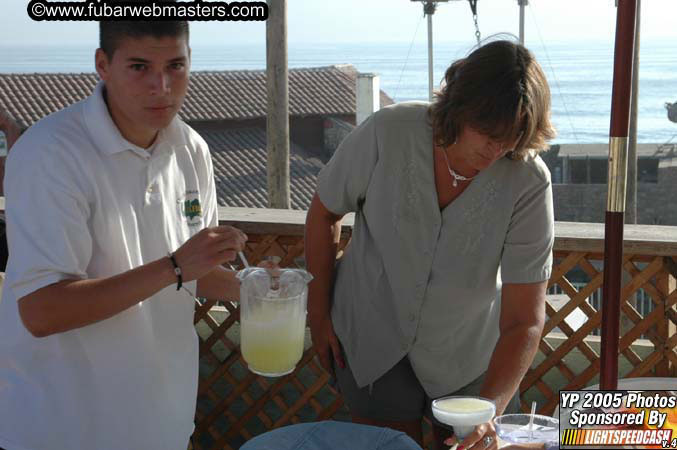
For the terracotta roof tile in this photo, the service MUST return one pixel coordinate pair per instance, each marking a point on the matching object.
(239, 158)
(212, 96)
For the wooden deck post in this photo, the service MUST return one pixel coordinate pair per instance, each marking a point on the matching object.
(666, 283)
(277, 123)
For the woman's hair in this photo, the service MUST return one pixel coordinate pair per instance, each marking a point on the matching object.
(500, 90)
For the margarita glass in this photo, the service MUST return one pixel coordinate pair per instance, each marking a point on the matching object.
(525, 428)
(463, 413)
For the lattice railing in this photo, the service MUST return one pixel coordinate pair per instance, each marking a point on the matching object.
(235, 404)
(655, 275)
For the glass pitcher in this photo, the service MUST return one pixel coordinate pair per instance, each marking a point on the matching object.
(272, 318)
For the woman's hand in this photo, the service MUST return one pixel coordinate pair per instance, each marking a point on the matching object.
(482, 438)
(326, 344)
(526, 446)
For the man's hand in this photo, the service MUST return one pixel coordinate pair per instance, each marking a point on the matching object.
(208, 249)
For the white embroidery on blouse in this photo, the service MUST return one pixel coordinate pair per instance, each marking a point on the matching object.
(477, 216)
(407, 201)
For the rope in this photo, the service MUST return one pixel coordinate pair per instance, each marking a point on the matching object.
(407, 60)
(559, 91)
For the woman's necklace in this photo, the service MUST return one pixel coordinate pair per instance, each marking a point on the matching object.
(456, 176)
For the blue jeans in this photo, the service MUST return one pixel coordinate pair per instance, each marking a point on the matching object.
(330, 435)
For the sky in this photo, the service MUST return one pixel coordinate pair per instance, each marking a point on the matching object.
(367, 21)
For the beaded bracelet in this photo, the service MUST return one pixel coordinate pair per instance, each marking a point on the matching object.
(177, 271)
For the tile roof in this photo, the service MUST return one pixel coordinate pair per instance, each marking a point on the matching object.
(239, 158)
(27, 98)
(222, 95)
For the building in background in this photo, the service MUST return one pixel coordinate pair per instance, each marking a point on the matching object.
(228, 108)
(579, 176)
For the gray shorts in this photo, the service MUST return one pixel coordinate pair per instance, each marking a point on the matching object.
(398, 395)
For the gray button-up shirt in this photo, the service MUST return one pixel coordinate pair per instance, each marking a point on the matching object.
(422, 282)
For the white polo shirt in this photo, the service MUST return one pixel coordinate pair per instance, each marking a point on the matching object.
(82, 202)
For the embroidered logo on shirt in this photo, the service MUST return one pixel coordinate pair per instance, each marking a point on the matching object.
(191, 208)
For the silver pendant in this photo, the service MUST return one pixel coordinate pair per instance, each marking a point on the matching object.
(455, 177)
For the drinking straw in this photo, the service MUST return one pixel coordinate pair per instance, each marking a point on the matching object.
(531, 421)
(243, 259)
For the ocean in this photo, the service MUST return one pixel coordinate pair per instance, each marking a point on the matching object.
(580, 75)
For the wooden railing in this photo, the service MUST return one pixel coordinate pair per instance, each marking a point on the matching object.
(235, 404)
(650, 265)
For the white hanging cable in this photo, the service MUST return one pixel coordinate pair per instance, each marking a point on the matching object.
(418, 24)
(532, 12)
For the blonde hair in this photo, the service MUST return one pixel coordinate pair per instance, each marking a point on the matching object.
(500, 90)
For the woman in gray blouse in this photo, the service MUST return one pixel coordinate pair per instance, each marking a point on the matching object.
(442, 288)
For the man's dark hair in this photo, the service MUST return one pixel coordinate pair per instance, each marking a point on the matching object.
(112, 32)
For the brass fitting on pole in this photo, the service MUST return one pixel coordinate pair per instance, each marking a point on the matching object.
(618, 174)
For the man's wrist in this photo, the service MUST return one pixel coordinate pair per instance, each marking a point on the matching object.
(166, 271)
(178, 273)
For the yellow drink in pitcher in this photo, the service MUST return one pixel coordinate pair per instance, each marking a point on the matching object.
(272, 346)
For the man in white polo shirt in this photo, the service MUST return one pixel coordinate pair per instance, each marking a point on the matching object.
(110, 209)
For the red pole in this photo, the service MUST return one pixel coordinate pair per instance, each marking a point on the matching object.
(618, 167)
